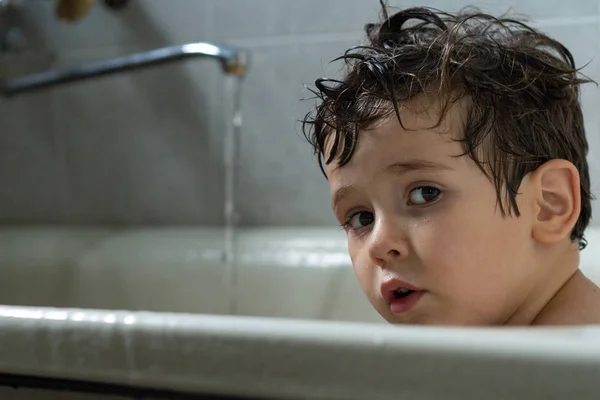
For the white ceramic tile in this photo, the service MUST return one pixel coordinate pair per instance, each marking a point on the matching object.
(32, 168)
(590, 256)
(536, 9)
(591, 102)
(239, 18)
(143, 22)
(582, 41)
(175, 22)
(586, 51)
(30, 18)
(139, 145)
(146, 147)
(280, 182)
(242, 19)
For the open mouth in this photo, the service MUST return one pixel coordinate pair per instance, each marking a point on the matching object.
(400, 296)
(403, 300)
(402, 293)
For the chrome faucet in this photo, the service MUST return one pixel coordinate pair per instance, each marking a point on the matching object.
(233, 61)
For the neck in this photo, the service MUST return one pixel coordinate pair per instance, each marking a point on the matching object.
(577, 303)
(559, 276)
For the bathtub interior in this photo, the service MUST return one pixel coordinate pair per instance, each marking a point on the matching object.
(293, 274)
(302, 273)
(288, 272)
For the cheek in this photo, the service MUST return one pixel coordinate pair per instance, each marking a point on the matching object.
(364, 271)
(472, 276)
(472, 249)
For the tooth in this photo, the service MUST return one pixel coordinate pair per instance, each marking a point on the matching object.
(403, 290)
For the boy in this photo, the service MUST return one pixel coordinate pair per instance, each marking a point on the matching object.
(455, 152)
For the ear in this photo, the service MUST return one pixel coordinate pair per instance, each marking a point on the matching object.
(558, 200)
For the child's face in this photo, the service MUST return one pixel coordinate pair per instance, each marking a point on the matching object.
(418, 216)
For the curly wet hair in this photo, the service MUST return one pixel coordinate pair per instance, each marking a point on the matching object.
(522, 87)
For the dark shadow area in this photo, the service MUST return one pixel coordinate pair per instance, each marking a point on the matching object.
(18, 382)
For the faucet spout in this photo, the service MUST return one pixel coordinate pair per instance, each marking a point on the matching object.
(233, 61)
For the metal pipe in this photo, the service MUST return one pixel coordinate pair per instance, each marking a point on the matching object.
(233, 61)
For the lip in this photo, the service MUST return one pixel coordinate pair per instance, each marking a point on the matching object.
(402, 305)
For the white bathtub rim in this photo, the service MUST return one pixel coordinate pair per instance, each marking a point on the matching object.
(275, 357)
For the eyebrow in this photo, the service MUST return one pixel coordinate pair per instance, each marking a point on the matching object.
(402, 168)
(399, 168)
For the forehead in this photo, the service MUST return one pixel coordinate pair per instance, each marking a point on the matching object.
(428, 132)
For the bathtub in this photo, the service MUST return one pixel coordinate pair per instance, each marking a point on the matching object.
(114, 314)
(296, 273)
(300, 273)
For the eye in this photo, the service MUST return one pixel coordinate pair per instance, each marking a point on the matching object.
(359, 220)
(423, 194)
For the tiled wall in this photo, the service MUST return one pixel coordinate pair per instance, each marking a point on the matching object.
(146, 147)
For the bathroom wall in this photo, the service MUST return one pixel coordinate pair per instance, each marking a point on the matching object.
(145, 147)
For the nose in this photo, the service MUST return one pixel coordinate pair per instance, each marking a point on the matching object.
(388, 242)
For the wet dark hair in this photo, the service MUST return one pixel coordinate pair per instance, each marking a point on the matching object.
(522, 86)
